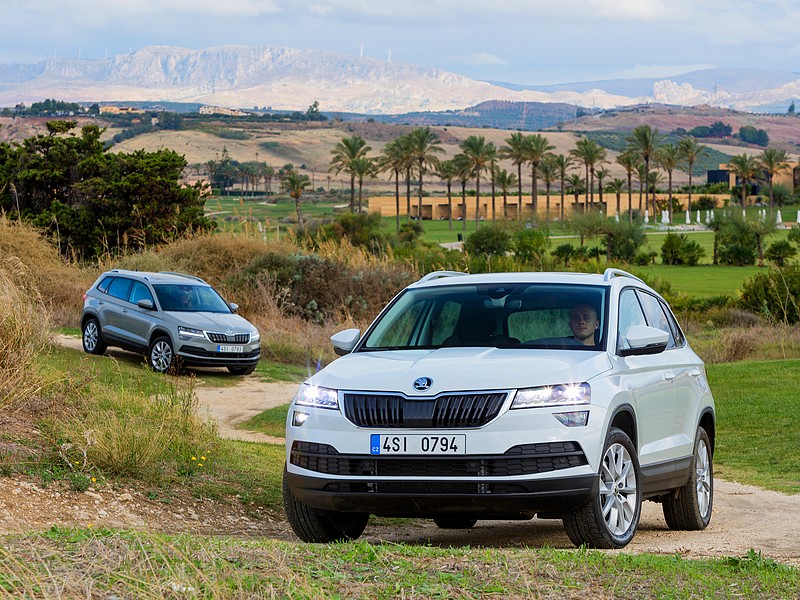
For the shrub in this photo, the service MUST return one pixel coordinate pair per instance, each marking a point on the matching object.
(775, 295)
(704, 203)
(492, 240)
(779, 252)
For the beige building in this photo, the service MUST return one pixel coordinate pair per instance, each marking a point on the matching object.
(437, 207)
(120, 110)
(790, 178)
(221, 110)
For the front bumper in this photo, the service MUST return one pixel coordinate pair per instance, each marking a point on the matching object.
(193, 355)
(519, 499)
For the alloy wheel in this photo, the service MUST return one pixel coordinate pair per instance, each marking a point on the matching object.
(618, 494)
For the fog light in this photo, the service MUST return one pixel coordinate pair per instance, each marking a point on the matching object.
(298, 418)
(573, 419)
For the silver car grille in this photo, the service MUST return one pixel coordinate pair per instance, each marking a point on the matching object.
(223, 338)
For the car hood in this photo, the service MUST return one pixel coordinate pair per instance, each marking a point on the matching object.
(214, 322)
(460, 369)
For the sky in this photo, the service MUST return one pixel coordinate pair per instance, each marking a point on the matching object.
(527, 42)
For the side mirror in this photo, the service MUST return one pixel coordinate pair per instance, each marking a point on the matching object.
(644, 340)
(344, 341)
(145, 303)
(234, 307)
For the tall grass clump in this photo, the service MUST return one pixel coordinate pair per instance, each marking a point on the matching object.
(123, 420)
(24, 332)
(60, 283)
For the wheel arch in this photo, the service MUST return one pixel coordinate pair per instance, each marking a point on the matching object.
(624, 418)
(708, 423)
(89, 315)
(157, 333)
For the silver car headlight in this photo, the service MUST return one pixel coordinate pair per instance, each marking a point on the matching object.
(566, 394)
(188, 332)
(255, 335)
(320, 397)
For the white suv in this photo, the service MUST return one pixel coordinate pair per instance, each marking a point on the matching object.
(506, 396)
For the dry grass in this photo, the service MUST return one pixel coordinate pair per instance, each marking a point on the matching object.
(737, 343)
(59, 284)
(24, 332)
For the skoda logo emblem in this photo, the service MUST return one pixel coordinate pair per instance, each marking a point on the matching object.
(422, 383)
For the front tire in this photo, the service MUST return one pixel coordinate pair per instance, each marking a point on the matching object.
(610, 518)
(321, 526)
(92, 339)
(161, 355)
(689, 508)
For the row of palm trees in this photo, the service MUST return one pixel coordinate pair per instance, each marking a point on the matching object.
(415, 155)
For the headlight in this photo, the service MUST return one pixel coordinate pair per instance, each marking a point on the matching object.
(189, 332)
(311, 395)
(553, 395)
(255, 335)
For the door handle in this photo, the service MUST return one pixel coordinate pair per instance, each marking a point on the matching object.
(124, 310)
(669, 375)
(695, 372)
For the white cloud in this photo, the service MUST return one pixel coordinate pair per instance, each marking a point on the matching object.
(484, 58)
(319, 8)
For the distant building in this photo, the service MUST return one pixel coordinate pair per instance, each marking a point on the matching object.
(120, 110)
(790, 178)
(221, 110)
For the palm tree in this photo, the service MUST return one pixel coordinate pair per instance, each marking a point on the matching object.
(575, 185)
(591, 154)
(505, 181)
(536, 151)
(295, 183)
(668, 157)
(630, 162)
(773, 162)
(690, 153)
(747, 169)
(395, 159)
(563, 163)
(645, 140)
(363, 167)
(424, 145)
(548, 172)
(480, 154)
(344, 153)
(464, 168)
(447, 173)
(616, 186)
(516, 152)
(601, 174)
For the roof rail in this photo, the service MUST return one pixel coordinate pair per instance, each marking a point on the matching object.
(439, 275)
(609, 273)
(182, 275)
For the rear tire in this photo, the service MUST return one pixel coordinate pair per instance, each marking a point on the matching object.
(689, 507)
(321, 526)
(92, 337)
(242, 370)
(454, 522)
(161, 355)
(610, 518)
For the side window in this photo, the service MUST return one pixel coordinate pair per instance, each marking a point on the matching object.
(630, 314)
(120, 288)
(656, 316)
(103, 285)
(676, 330)
(140, 292)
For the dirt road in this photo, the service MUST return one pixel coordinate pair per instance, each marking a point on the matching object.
(745, 517)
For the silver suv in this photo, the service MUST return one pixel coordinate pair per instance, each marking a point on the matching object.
(504, 396)
(176, 319)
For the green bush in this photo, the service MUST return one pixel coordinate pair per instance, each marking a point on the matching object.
(775, 294)
(491, 240)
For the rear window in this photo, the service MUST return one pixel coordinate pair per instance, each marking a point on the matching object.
(120, 287)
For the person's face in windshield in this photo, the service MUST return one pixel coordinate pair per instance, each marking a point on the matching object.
(583, 323)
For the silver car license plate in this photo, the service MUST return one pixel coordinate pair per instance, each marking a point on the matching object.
(236, 349)
(417, 444)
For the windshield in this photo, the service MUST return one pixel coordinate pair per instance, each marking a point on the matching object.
(190, 298)
(519, 315)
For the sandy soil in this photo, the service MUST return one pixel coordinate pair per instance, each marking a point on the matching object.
(745, 517)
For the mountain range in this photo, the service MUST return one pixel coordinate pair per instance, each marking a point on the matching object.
(292, 79)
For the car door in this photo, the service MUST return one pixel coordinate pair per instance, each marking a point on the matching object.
(111, 306)
(137, 322)
(650, 385)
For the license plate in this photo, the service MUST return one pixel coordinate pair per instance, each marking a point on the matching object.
(417, 444)
(236, 349)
